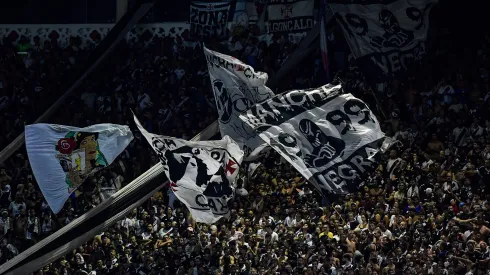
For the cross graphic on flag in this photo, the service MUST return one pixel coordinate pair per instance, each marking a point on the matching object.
(230, 167)
(287, 11)
(210, 6)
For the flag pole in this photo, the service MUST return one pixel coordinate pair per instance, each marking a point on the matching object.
(324, 38)
(96, 220)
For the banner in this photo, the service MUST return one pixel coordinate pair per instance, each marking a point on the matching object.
(331, 138)
(209, 18)
(62, 157)
(384, 37)
(237, 87)
(290, 16)
(201, 173)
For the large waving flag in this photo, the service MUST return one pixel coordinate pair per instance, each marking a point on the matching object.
(237, 87)
(62, 157)
(331, 138)
(201, 173)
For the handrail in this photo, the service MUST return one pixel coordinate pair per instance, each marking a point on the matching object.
(130, 190)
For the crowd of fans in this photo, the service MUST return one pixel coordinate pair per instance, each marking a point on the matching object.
(423, 211)
(160, 81)
(30, 74)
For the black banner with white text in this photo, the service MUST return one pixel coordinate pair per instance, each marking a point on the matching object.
(289, 16)
(209, 18)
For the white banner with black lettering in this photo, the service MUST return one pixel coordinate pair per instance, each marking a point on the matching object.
(209, 18)
(290, 15)
(331, 138)
(384, 35)
(201, 173)
(237, 87)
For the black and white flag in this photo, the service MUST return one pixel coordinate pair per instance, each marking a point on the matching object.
(237, 87)
(385, 36)
(201, 173)
(331, 138)
(209, 18)
(289, 16)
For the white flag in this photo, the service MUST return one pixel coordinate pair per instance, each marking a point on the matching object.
(331, 138)
(208, 18)
(237, 87)
(62, 157)
(201, 173)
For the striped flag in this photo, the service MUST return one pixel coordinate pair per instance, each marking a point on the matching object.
(324, 39)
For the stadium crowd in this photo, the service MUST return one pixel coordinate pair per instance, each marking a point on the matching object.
(424, 210)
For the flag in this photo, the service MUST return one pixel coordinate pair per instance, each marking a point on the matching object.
(384, 36)
(331, 138)
(62, 157)
(201, 173)
(324, 39)
(208, 18)
(236, 88)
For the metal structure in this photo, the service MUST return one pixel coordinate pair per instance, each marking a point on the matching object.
(96, 220)
(139, 190)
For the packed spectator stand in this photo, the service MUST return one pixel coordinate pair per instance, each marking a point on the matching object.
(424, 211)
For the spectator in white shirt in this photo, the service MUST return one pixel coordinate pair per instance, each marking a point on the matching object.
(235, 234)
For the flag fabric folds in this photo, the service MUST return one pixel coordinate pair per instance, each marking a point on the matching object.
(385, 36)
(201, 173)
(331, 138)
(62, 157)
(237, 87)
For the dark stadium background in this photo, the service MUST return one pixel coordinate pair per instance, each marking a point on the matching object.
(461, 21)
